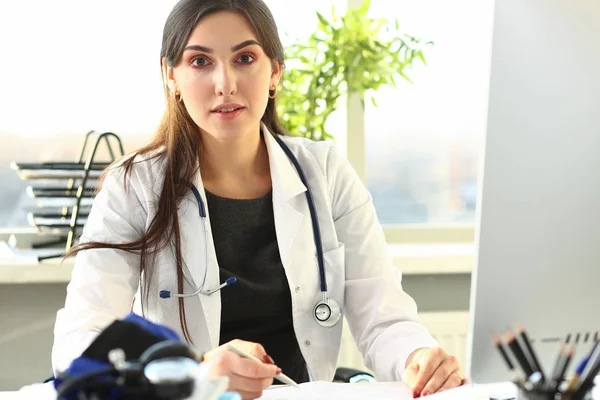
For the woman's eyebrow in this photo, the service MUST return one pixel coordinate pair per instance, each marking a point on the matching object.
(237, 47)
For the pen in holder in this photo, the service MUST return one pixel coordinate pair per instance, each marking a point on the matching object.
(529, 376)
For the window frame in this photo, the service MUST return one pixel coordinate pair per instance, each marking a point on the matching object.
(395, 234)
(356, 154)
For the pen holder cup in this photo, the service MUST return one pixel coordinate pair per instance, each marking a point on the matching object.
(549, 394)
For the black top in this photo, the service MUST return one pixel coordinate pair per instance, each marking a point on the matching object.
(258, 308)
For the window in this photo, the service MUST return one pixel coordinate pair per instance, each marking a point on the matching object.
(74, 65)
(424, 140)
(70, 67)
(298, 20)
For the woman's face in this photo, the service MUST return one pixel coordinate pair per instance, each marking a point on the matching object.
(224, 76)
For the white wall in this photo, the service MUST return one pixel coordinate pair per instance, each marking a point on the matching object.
(27, 314)
(539, 234)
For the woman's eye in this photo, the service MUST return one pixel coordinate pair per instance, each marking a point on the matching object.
(200, 62)
(246, 58)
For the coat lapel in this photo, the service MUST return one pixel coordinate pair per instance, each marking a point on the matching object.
(288, 193)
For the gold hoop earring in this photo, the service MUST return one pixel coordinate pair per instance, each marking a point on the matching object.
(178, 99)
(272, 96)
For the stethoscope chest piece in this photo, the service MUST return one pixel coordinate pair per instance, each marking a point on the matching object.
(327, 312)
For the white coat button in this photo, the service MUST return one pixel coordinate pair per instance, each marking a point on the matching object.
(307, 343)
(297, 289)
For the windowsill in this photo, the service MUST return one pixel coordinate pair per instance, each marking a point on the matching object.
(436, 259)
(417, 259)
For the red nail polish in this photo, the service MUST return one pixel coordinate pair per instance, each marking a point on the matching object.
(415, 394)
(278, 371)
(267, 359)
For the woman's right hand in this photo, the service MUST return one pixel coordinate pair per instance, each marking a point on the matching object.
(247, 377)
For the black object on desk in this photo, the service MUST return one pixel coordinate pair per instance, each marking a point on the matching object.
(352, 375)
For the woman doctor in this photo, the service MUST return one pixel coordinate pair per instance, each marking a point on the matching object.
(216, 195)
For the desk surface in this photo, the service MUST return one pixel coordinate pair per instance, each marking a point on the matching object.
(48, 271)
(46, 391)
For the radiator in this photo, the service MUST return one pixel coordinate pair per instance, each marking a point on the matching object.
(448, 328)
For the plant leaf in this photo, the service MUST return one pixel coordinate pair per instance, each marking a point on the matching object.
(322, 20)
(351, 53)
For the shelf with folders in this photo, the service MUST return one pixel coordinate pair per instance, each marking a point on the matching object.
(64, 191)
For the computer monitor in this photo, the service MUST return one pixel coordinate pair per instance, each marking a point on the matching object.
(538, 225)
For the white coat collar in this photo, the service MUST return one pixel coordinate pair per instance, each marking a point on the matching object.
(283, 173)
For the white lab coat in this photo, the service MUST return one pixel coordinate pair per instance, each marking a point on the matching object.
(360, 275)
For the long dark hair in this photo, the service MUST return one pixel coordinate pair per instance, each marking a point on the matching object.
(178, 137)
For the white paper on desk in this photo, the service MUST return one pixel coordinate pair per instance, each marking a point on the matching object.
(360, 391)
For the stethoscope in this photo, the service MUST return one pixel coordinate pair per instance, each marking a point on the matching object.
(327, 311)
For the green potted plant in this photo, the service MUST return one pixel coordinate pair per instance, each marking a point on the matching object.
(352, 53)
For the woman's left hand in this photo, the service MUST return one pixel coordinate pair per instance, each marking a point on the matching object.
(431, 370)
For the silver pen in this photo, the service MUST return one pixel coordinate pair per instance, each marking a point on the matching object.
(280, 377)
